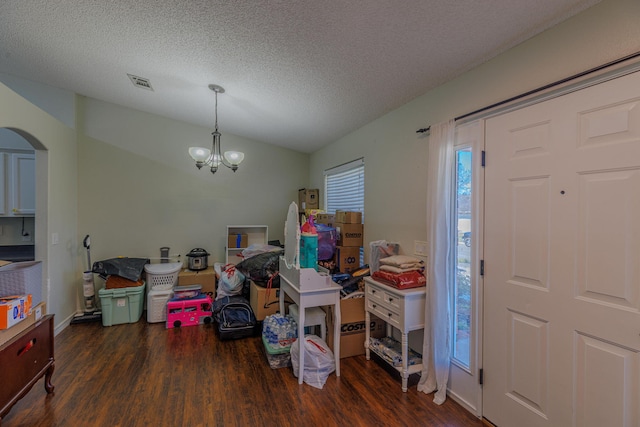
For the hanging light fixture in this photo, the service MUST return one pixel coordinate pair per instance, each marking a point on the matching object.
(213, 157)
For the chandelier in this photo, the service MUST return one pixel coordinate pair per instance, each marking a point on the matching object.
(213, 157)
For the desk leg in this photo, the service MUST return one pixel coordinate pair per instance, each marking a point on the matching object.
(405, 355)
(337, 322)
(281, 301)
(47, 378)
(367, 334)
(301, 316)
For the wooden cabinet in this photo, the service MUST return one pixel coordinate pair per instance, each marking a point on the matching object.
(255, 234)
(401, 309)
(18, 186)
(24, 360)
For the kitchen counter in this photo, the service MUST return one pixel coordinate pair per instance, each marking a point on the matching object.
(17, 253)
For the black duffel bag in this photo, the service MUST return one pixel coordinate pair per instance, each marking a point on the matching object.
(234, 318)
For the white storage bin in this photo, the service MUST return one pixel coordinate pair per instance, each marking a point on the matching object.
(162, 277)
(157, 305)
(22, 278)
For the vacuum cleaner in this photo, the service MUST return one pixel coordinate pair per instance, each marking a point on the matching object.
(91, 312)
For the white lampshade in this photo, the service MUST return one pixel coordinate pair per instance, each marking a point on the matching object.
(199, 154)
(234, 157)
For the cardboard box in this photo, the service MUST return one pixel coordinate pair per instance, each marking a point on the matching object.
(237, 240)
(325, 218)
(347, 258)
(352, 329)
(205, 278)
(14, 309)
(36, 314)
(263, 306)
(350, 234)
(349, 217)
(308, 198)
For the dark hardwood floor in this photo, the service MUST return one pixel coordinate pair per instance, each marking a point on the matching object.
(142, 374)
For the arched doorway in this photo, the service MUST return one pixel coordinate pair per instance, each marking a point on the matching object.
(23, 198)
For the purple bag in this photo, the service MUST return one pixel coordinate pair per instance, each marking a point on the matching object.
(327, 237)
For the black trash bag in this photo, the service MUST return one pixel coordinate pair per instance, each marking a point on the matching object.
(129, 268)
(262, 267)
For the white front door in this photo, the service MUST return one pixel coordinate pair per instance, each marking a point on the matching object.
(562, 261)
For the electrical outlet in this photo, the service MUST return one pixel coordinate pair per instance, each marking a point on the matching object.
(420, 248)
(54, 238)
(26, 238)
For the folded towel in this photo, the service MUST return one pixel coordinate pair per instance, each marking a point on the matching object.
(393, 269)
(401, 261)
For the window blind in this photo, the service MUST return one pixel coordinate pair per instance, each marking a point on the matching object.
(344, 187)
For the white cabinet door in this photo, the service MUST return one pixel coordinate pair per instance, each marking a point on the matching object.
(23, 184)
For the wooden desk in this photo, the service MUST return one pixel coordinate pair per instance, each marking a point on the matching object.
(24, 360)
(321, 296)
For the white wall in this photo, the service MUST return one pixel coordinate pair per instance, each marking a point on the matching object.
(59, 103)
(395, 156)
(139, 190)
(56, 197)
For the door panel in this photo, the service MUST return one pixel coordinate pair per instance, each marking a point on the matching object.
(562, 270)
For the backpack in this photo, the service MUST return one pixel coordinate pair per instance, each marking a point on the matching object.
(234, 318)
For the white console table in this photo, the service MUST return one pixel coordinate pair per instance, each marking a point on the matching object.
(309, 289)
(401, 309)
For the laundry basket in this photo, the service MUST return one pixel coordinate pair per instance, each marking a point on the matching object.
(162, 277)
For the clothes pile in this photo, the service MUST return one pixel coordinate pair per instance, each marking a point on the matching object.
(401, 271)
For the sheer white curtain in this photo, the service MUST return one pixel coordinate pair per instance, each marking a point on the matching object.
(437, 335)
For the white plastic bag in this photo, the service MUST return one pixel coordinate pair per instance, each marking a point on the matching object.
(381, 249)
(318, 360)
(230, 283)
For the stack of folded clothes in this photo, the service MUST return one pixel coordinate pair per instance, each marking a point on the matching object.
(401, 271)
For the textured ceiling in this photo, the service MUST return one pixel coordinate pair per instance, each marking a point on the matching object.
(298, 74)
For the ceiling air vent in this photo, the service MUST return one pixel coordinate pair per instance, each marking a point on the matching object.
(140, 82)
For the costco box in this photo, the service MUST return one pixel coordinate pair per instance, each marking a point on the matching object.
(237, 240)
(14, 309)
(207, 279)
(325, 218)
(264, 305)
(122, 305)
(347, 259)
(36, 314)
(308, 198)
(349, 234)
(349, 217)
(352, 328)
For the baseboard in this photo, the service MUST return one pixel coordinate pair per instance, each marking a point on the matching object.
(460, 401)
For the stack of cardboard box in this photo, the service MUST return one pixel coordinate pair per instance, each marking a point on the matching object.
(350, 229)
(308, 199)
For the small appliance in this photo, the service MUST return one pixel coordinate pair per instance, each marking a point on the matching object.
(197, 259)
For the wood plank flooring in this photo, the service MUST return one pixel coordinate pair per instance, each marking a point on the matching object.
(142, 374)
